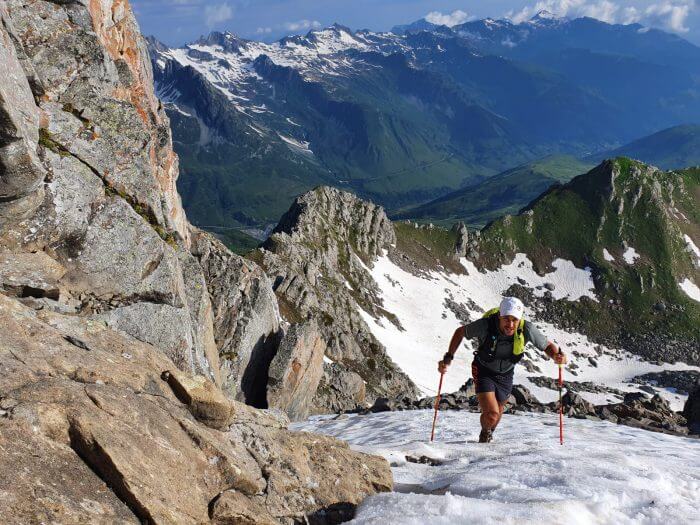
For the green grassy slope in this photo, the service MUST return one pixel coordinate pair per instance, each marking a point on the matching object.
(618, 204)
(392, 133)
(505, 193)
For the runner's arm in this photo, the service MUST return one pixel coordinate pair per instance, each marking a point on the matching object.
(454, 342)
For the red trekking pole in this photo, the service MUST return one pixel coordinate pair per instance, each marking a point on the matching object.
(561, 410)
(437, 403)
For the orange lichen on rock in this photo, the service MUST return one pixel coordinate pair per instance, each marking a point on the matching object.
(117, 30)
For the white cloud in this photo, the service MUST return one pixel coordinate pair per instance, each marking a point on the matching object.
(449, 20)
(263, 30)
(216, 14)
(668, 14)
(601, 9)
(629, 15)
(301, 25)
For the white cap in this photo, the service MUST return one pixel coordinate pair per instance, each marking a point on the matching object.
(512, 306)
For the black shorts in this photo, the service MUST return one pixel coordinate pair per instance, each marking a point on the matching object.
(487, 381)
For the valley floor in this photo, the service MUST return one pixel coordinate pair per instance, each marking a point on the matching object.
(604, 473)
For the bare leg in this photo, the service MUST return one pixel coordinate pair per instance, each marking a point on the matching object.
(501, 406)
(490, 410)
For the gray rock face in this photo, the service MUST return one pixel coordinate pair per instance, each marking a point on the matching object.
(317, 259)
(245, 314)
(296, 370)
(91, 220)
(97, 99)
(324, 210)
(21, 173)
(462, 244)
(339, 389)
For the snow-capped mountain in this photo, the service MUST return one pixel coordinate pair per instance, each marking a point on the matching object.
(407, 117)
(228, 62)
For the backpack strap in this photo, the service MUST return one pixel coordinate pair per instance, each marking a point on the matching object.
(487, 348)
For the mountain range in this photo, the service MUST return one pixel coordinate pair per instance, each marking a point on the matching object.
(408, 116)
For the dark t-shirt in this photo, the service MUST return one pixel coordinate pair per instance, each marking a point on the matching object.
(501, 364)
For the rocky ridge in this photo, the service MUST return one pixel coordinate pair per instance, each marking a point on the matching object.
(317, 258)
(121, 323)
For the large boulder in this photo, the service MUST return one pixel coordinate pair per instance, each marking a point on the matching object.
(205, 401)
(523, 396)
(573, 403)
(296, 370)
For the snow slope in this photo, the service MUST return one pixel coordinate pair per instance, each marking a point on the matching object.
(603, 473)
(690, 288)
(428, 324)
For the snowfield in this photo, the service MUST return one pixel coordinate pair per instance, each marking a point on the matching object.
(690, 288)
(419, 303)
(692, 249)
(630, 255)
(603, 474)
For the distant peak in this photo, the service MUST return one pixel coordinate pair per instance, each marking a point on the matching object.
(340, 27)
(156, 44)
(219, 36)
(227, 40)
(546, 18)
(545, 15)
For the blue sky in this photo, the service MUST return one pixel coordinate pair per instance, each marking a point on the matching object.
(178, 21)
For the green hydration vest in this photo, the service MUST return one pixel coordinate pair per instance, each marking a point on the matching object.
(487, 348)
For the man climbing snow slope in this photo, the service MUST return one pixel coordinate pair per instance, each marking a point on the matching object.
(502, 335)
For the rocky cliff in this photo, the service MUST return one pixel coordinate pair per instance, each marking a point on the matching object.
(121, 323)
(317, 258)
